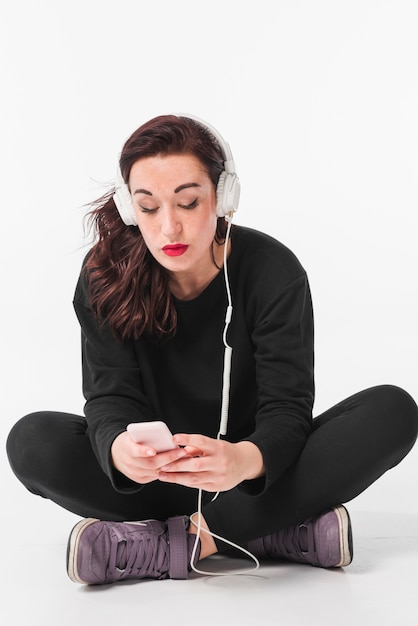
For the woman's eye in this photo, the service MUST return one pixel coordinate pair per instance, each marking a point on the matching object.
(145, 209)
(192, 205)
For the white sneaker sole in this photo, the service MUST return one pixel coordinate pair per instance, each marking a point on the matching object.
(72, 548)
(346, 547)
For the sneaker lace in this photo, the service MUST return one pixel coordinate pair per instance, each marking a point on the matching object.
(138, 554)
(295, 542)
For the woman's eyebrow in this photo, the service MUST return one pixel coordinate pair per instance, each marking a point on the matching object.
(185, 186)
(147, 193)
(177, 189)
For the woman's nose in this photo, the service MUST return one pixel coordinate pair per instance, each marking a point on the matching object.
(171, 224)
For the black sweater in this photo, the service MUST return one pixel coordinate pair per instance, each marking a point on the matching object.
(179, 380)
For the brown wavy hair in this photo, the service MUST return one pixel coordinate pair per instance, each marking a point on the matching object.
(128, 288)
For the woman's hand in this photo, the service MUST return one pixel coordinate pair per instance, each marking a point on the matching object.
(212, 464)
(138, 462)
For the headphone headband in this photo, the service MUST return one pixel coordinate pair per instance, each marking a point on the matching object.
(227, 191)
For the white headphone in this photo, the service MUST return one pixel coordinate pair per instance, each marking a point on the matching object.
(227, 191)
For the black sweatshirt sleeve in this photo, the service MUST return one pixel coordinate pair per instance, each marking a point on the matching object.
(283, 341)
(112, 387)
(271, 290)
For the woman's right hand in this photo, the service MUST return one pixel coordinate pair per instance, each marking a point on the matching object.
(138, 462)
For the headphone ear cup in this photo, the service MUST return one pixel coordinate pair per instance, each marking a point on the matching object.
(227, 194)
(123, 201)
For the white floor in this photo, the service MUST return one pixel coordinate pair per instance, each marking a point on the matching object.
(379, 587)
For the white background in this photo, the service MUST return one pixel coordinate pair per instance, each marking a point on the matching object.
(318, 100)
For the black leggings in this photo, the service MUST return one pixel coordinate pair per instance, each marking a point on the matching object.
(351, 445)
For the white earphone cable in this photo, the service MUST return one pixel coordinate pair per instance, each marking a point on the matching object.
(228, 349)
(222, 429)
(198, 525)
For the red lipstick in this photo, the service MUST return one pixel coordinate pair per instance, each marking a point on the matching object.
(176, 249)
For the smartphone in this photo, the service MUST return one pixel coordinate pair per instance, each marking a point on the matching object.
(157, 435)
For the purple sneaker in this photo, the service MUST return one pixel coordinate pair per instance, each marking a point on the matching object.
(104, 552)
(324, 541)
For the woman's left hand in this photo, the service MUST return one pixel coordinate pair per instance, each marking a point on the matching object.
(213, 465)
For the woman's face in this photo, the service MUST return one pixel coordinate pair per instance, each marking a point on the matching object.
(175, 205)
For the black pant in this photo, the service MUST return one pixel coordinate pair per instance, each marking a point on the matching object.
(351, 445)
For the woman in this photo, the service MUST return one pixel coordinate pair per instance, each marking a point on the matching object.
(151, 300)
